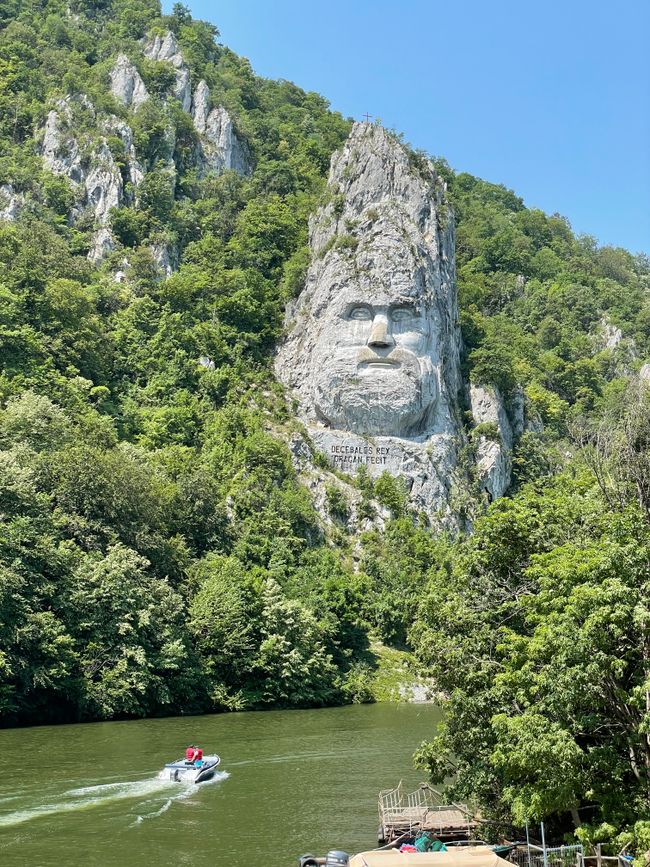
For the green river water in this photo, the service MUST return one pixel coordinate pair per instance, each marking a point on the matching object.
(290, 782)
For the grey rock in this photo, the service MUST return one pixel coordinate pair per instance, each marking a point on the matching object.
(126, 83)
(488, 406)
(103, 183)
(609, 336)
(60, 149)
(201, 107)
(115, 126)
(373, 351)
(624, 349)
(164, 258)
(11, 203)
(644, 373)
(165, 48)
(220, 146)
(102, 244)
(493, 458)
(95, 177)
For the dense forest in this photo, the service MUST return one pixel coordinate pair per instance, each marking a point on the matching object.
(158, 553)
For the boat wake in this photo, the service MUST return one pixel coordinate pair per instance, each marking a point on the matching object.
(148, 792)
(186, 791)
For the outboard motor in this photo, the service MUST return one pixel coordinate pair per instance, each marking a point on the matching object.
(336, 858)
(309, 861)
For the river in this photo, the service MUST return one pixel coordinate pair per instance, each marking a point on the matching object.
(290, 782)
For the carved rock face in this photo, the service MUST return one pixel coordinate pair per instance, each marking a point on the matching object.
(374, 349)
(372, 353)
(373, 365)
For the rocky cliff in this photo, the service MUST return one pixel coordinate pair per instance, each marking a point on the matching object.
(373, 347)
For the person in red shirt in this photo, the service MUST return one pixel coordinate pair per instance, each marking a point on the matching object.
(194, 755)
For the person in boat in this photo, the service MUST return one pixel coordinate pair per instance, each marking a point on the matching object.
(194, 755)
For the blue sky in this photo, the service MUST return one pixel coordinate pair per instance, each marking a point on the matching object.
(551, 99)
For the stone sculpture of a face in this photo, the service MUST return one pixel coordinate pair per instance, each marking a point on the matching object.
(374, 360)
(372, 348)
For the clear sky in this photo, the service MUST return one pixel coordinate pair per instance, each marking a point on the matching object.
(550, 98)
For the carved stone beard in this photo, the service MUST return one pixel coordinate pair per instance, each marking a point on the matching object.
(377, 395)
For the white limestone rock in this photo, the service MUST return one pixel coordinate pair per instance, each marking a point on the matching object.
(372, 353)
(611, 335)
(164, 258)
(95, 176)
(165, 48)
(201, 106)
(493, 454)
(60, 149)
(103, 183)
(644, 373)
(220, 146)
(127, 85)
(115, 126)
(103, 243)
(11, 203)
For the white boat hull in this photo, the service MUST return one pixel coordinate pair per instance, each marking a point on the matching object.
(183, 771)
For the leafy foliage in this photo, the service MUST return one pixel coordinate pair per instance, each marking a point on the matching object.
(537, 629)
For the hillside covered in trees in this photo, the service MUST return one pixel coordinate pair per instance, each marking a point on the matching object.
(158, 552)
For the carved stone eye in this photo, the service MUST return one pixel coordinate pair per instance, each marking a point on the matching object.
(401, 314)
(360, 314)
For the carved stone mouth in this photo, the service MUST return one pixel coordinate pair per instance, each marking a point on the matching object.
(385, 363)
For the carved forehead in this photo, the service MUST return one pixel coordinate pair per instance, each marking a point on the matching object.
(361, 279)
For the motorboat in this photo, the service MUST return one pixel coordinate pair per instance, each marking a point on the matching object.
(184, 771)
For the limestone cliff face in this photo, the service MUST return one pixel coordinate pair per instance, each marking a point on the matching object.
(91, 168)
(126, 84)
(165, 48)
(11, 203)
(220, 148)
(493, 450)
(373, 347)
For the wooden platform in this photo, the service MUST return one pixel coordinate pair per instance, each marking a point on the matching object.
(401, 813)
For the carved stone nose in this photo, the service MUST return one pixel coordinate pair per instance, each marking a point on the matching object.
(380, 335)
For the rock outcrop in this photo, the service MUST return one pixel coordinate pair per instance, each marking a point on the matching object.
(494, 439)
(220, 147)
(94, 173)
(60, 148)
(373, 350)
(11, 203)
(117, 127)
(165, 48)
(127, 85)
(164, 258)
(103, 183)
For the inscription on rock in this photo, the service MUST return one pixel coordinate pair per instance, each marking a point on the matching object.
(351, 455)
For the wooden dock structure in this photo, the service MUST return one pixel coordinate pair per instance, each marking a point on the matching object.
(407, 813)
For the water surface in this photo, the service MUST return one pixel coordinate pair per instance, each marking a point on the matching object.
(290, 782)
